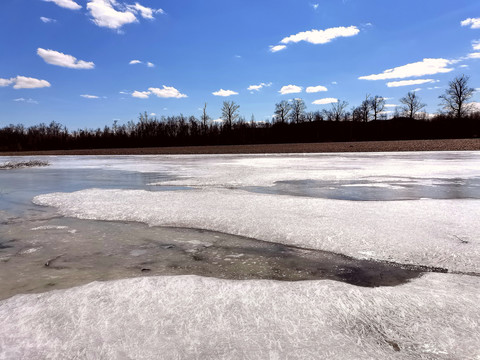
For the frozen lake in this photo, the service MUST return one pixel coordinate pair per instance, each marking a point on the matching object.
(388, 246)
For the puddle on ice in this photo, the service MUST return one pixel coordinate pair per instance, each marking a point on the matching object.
(401, 188)
(47, 252)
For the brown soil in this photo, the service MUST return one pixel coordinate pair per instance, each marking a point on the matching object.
(366, 146)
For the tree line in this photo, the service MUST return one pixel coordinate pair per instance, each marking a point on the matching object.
(290, 123)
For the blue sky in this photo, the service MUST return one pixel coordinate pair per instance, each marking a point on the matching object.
(86, 63)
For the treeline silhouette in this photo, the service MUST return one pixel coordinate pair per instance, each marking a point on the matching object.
(182, 131)
(291, 123)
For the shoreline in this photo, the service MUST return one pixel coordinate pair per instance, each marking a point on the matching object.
(327, 147)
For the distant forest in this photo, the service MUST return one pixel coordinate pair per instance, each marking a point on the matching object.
(291, 123)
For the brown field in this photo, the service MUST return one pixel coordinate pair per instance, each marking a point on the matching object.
(366, 146)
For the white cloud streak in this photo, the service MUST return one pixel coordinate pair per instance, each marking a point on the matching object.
(28, 101)
(224, 93)
(258, 87)
(474, 23)
(60, 59)
(6, 82)
(167, 92)
(145, 12)
(277, 48)
(67, 4)
(150, 65)
(23, 82)
(321, 36)
(290, 89)
(87, 96)
(325, 101)
(476, 45)
(420, 68)
(315, 89)
(47, 20)
(133, 62)
(474, 55)
(141, 94)
(409, 82)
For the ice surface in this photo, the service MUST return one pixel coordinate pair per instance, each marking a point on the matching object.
(442, 233)
(434, 317)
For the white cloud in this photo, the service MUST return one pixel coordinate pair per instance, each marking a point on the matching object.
(104, 14)
(23, 82)
(474, 55)
(277, 48)
(167, 92)
(315, 6)
(60, 59)
(390, 105)
(417, 89)
(145, 12)
(420, 68)
(67, 4)
(141, 94)
(148, 63)
(315, 89)
(153, 114)
(474, 23)
(325, 101)
(224, 93)
(334, 83)
(124, 93)
(47, 20)
(290, 89)
(28, 101)
(322, 36)
(86, 96)
(258, 87)
(476, 44)
(409, 82)
(6, 82)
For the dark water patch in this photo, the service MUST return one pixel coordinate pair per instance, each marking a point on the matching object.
(65, 252)
(383, 190)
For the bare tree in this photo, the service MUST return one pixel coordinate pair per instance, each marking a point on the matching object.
(412, 104)
(377, 104)
(282, 109)
(338, 110)
(455, 100)
(204, 119)
(229, 113)
(357, 114)
(365, 108)
(298, 110)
